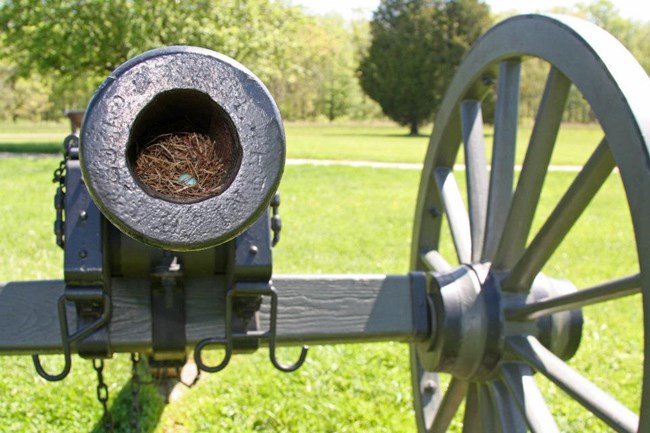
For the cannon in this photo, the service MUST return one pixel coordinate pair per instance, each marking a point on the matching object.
(158, 270)
(170, 183)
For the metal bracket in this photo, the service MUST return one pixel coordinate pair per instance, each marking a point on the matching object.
(247, 290)
(85, 255)
(168, 311)
(90, 295)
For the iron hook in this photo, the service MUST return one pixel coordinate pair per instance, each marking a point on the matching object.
(272, 338)
(288, 368)
(52, 377)
(63, 327)
(199, 360)
(67, 339)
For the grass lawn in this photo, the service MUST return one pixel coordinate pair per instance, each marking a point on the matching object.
(30, 137)
(373, 142)
(336, 220)
(387, 143)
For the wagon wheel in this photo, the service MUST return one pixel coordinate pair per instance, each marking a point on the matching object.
(499, 322)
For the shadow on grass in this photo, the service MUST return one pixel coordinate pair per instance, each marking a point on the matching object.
(151, 407)
(18, 148)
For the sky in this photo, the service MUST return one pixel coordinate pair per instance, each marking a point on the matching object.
(636, 9)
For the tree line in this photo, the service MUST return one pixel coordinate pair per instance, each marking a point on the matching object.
(54, 53)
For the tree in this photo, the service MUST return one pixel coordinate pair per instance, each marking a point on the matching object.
(22, 98)
(78, 43)
(631, 33)
(416, 46)
(308, 63)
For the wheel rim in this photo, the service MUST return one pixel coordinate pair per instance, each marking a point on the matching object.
(491, 238)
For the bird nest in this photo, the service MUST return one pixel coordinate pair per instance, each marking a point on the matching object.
(186, 166)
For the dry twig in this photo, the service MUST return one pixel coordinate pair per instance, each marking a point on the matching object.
(185, 166)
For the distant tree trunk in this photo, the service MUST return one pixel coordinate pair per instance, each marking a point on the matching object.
(414, 129)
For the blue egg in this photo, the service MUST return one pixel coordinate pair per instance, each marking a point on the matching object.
(187, 179)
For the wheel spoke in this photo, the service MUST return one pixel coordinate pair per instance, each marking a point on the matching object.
(426, 398)
(488, 411)
(449, 405)
(603, 292)
(471, 419)
(510, 417)
(566, 213)
(434, 262)
(456, 213)
(503, 155)
(529, 187)
(480, 411)
(601, 404)
(518, 378)
(476, 172)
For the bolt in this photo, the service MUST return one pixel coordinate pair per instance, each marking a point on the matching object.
(83, 254)
(83, 215)
(253, 250)
(434, 212)
(487, 79)
(430, 386)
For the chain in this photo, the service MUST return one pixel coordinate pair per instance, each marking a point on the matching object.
(71, 142)
(135, 393)
(276, 222)
(102, 395)
(59, 201)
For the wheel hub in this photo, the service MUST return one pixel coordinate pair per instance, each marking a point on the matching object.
(469, 310)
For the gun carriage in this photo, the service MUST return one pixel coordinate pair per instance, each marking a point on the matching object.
(159, 271)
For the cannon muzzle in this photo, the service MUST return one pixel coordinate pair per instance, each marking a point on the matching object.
(182, 148)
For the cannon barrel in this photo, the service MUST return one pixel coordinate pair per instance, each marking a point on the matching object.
(182, 148)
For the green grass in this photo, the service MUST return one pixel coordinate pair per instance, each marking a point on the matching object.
(387, 143)
(27, 224)
(365, 142)
(30, 137)
(380, 142)
(21, 145)
(340, 220)
(27, 127)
